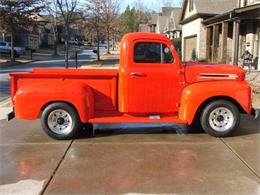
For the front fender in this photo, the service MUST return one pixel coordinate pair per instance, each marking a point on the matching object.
(194, 95)
(31, 98)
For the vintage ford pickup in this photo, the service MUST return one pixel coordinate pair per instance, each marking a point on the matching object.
(151, 85)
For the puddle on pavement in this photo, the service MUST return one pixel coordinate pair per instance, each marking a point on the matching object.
(28, 187)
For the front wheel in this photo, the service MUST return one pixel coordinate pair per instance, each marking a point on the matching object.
(220, 118)
(60, 121)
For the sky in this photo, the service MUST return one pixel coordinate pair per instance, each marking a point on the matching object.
(153, 5)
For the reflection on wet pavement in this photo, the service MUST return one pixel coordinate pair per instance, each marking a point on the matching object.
(127, 158)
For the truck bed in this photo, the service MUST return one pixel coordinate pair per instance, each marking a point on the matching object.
(103, 83)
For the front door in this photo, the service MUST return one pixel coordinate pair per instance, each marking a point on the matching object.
(154, 84)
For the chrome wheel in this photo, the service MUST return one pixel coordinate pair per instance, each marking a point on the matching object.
(221, 119)
(60, 122)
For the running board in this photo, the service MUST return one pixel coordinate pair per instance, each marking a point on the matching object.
(112, 117)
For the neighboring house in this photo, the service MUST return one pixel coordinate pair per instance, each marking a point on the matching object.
(194, 12)
(161, 23)
(232, 33)
(152, 23)
(144, 28)
(31, 37)
(173, 28)
(166, 22)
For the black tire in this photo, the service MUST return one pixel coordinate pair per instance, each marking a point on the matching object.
(68, 120)
(220, 118)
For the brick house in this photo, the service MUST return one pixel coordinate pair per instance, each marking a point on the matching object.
(194, 12)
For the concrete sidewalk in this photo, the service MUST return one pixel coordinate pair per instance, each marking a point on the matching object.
(106, 61)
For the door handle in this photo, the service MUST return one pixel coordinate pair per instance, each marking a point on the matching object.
(137, 74)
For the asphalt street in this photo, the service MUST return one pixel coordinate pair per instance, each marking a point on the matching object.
(83, 57)
(129, 159)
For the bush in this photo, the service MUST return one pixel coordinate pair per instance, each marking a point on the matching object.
(194, 55)
(177, 45)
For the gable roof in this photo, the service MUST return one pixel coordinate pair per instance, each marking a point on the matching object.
(209, 7)
(215, 6)
(176, 16)
(166, 11)
(161, 23)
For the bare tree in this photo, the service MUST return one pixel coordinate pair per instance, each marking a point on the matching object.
(142, 12)
(52, 9)
(110, 10)
(116, 31)
(67, 10)
(93, 19)
(18, 14)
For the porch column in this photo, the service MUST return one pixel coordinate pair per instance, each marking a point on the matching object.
(235, 42)
(208, 57)
(224, 42)
(258, 63)
(215, 43)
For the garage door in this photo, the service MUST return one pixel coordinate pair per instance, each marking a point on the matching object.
(189, 44)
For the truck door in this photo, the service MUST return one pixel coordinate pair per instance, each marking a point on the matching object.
(153, 81)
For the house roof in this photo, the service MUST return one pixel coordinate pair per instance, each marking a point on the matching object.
(161, 22)
(166, 11)
(215, 6)
(176, 16)
(252, 10)
(206, 8)
(153, 20)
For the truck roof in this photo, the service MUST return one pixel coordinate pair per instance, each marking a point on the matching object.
(143, 35)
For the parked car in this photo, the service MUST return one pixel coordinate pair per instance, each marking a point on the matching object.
(5, 48)
(151, 85)
(75, 42)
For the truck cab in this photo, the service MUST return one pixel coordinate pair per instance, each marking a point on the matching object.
(151, 85)
(150, 75)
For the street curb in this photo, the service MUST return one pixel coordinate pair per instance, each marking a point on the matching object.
(16, 64)
(5, 103)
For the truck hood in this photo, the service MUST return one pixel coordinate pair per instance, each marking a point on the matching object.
(195, 72)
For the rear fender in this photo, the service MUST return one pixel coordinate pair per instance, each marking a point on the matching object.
(194, 95)
(31, 99)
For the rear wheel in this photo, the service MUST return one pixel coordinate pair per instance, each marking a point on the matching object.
(220, 118)
(60, 121)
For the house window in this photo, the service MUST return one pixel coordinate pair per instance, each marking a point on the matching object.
(149, 52)
(191, 5)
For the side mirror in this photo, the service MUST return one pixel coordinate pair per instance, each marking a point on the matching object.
(94, 51)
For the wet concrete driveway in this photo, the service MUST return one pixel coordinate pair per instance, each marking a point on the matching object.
(130, 160)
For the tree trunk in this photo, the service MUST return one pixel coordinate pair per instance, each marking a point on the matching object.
(66, 55)
(55, 50)
(108, 42)
(113, 43)
(98, 50)
(12, 48)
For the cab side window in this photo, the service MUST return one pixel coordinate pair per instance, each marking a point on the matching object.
(145, 52)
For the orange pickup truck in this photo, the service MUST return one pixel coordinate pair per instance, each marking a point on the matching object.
(151, 85)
